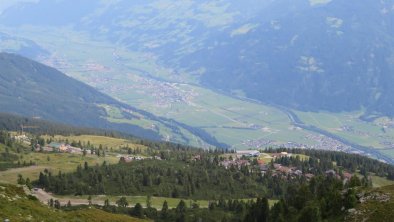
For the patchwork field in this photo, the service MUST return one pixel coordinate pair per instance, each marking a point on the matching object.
(137, 79)
(377, 134)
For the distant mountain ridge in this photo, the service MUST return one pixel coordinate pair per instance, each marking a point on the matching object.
(32, 89)
(309, 54)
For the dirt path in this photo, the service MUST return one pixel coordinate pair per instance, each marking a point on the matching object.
(44, 196)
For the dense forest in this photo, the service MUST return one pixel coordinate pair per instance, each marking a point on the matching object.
(322, 199)
(179, 173)
(200, 180)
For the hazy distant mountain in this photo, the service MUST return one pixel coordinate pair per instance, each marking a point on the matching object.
(31, 89)
(312, 55)
(21, 46)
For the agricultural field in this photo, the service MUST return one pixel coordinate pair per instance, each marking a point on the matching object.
(378, 134)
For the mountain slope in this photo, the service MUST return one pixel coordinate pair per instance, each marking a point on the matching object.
(17, 206)
(308, 54)
(32, 89)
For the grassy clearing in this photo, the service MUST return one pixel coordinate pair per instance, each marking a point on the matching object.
(350, 127)
(114, 143)
(156, 202)
(57, 162)
(381, 181)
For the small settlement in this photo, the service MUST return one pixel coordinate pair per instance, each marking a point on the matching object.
(59, 147)
(265, 163)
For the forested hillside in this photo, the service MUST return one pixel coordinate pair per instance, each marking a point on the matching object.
(32, 89)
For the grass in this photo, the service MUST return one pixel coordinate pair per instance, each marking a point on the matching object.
(156, 202)
(110, 142)
(57, 162)
(16, 206)
(381, 181)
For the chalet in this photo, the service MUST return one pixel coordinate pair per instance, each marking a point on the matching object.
(263, 167)
(285, 170)
(71, 149)
(60, 147)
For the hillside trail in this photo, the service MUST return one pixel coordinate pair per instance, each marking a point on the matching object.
(44, 197)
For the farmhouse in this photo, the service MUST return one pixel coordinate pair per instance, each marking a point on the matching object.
(61, 147)
(71, 149)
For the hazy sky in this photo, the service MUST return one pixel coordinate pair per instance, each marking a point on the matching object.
(7, 3)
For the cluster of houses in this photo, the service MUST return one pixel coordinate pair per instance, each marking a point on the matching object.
(243, 159)
(236, 163)
(59, 147)
(292, 171)
(128, 159)
(346, 176)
